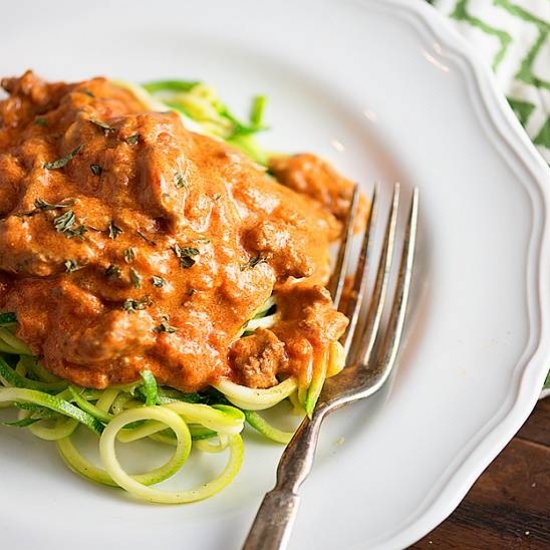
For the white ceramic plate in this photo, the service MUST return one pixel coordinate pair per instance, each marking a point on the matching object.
(386, 91)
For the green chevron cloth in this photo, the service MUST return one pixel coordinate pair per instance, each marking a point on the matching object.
(513, 37)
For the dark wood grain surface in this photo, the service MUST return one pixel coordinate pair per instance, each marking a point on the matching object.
(509, 506)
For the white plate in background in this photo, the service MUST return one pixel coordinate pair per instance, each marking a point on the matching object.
(386, 91)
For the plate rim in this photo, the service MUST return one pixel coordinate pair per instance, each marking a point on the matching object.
(532, 367)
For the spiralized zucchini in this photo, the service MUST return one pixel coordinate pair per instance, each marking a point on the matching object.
(209, 422)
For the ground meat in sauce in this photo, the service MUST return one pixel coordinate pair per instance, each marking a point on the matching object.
(312, 176)
(128, 242)
(258, 358)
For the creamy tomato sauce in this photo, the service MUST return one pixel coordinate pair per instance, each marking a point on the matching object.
(128, 242)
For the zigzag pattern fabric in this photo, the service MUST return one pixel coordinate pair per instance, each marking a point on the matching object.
(513, 36)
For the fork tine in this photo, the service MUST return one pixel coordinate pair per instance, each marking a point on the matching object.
(336, 285)
(353, 307)
(368, 336)
(394, 332)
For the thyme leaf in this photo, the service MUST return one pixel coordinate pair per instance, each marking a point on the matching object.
(185, 255)
(157, 281)
(63, 161)
(131, 305)
(65, 221)
(147, 239)
(130, 255)
(41, 204)
(253, 262)
(113, 271)
(165, 327)
(135, 277)
(103, 125)
(180, 180)
(71, 266)
(96, 169)
(114, 230)
(133, 139)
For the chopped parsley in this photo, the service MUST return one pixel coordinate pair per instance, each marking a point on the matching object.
(113, 271)
(96, 169)
(65, 224)
(41, 204)
(77, 232)
(147, 239)
(41, 121)
(114, 230)
(130, 305)
(180, 180)
(133, 139)
(63, 161)
(157, 281)
(65, 221)
(185, 255)
(135, 277)
(88, 92)
(71, 265)
(130, 255)
(253, 262)
(103, 125)
(165, 327)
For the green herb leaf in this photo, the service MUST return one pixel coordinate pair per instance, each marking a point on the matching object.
(96, 169)
(103, 125)
(147, 239)
(113, 271)
(253, 262)
(158, 281)
(88, 92)
(191, 291)
(165, 327)
(133, 139)
(77, 232)
(41, 204)
(180, 180)
(130, 305)
(130, 255)
(185, 255)
(41, 121)
(63, 161)
(114, 230)
(65, 221)
(135, 277)
(71, 266)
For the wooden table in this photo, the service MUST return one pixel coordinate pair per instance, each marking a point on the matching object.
(509, 506)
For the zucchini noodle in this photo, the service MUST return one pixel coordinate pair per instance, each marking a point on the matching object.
(256, 399)
(173, 421)
(210, 421)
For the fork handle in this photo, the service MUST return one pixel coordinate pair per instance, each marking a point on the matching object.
(275, 517)
(273, 524)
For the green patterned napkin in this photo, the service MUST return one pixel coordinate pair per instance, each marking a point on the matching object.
(513, 37)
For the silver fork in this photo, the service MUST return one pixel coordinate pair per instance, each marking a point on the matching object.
(364, 374)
